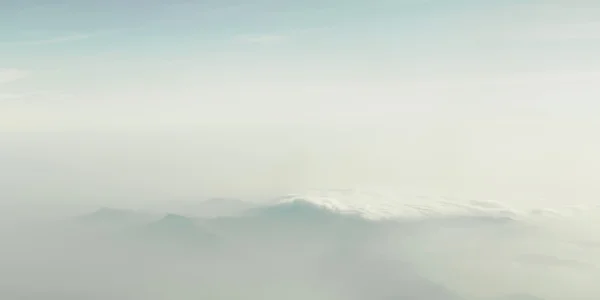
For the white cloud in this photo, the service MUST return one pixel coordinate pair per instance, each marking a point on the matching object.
(10, 75)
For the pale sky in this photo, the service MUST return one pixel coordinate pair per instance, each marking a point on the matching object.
(493, 98)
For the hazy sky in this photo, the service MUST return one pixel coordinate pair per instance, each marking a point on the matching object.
(496, 96)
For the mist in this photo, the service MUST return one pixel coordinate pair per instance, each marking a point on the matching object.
(437, 211)
(327, 150)
(303, 247)
(524, 163)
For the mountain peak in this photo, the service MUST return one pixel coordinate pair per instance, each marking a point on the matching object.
(108, 214)
(174, 222)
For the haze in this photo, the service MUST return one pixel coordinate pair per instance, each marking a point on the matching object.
(160, 106)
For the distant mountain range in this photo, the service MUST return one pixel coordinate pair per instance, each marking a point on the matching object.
(291, 236)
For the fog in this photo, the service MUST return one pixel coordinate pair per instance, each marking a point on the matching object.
(327, 150)
(333, 244)
(536, 163)
(200, 215)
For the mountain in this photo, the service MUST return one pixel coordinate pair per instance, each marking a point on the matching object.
(206, 208)
(175, 229)
(111, 216)
(217, 207)
(361, 276)
(518, 297)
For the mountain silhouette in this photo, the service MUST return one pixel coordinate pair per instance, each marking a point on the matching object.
(175, 230)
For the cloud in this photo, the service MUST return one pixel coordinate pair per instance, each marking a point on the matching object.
(10, 75)
(53, 40)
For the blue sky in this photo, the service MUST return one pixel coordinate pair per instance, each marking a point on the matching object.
(77, 58)
(73, 62)
(478, 89)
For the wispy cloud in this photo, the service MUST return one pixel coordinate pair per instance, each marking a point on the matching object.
(10, 75)
(52, 40)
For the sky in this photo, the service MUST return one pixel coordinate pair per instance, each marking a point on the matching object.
(492, 98)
